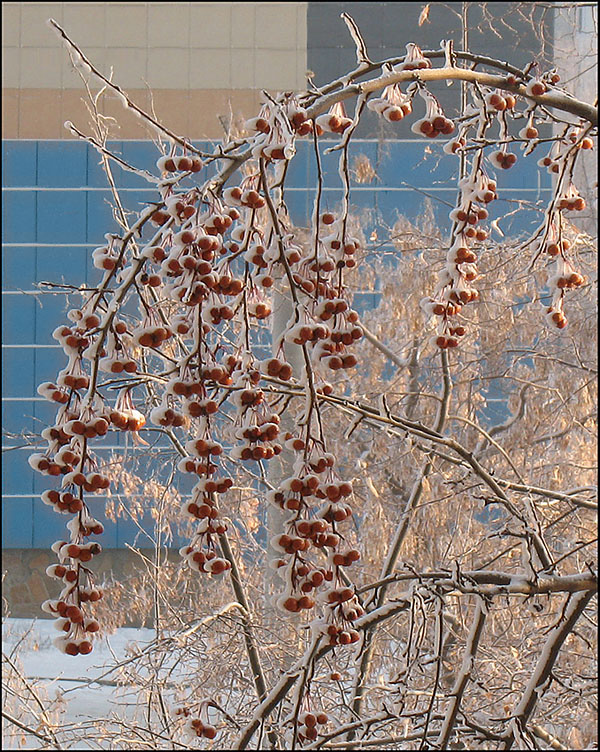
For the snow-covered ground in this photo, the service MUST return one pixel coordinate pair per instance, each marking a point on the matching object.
(28, 643)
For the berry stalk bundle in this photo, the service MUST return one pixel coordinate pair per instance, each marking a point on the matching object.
(203, 262)
(209, 269)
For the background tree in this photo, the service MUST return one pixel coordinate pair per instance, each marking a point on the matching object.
(434, 559)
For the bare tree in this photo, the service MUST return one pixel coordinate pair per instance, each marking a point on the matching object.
(435, 562)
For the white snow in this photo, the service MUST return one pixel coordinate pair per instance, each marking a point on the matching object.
(52, 672)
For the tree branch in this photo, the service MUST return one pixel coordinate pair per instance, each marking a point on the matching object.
(541, 674)
(556, 100)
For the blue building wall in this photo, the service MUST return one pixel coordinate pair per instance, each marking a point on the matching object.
(56, 211)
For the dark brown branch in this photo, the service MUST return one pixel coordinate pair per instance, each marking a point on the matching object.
(531, 696)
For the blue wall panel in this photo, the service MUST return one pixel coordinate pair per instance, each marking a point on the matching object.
(99, 217)
(140, 154)
(62, 164)
(56, 209)
(18, 319)
(19, 216)
(17, 475)
(63, 265)
(19, 163)
(17, 522)
(95, 174)
(17, 372)
(419, 163)
(137, 200)
(49, 526)
(50, 312)
(44, 412)
(297, 171)
(61, 216)
(18, 267)
(48, 362)
(17, 416)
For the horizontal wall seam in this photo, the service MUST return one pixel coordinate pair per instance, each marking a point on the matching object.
(195, 142)
(360, 189)
(48, 245)
(129, 495)
(70, 291)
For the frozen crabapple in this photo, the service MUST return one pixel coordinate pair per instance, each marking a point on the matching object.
(180, 163)
(571, 200)
(503, 159)
(414, 59)
(298, 118)
(278, 368)
(536, 88)
(393, 104)
(454, 145)
(529, 132)
(435, 122)
(105, 258)
(335, 120)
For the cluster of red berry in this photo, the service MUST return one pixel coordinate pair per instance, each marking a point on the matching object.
(414, 59)
(333, 121)
(551, 234)
(455, 289)
(196, 724)
(393, 104)
(434, 123)
(180, 164)
(308, 725)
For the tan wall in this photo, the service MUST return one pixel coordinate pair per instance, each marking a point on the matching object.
(199, 59)
(40, 113)
(26, 585)
(576, 59)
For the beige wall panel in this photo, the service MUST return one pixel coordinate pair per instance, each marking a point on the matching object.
(126, 25)
(34, 31)
(130, 67)
(71, 79)
(11, 67)
(210, 24)
(210, 69)
(41, 67)
(301, 28)
(168, 25)
(220, 53)
(10, 113)
(40, 112)
(243, 17)
(11, 24)
(301, 66)
(275, 69)
(167, 69)
(275, 26)
(242, 68)
(73, 107)
(85, 23)
(127, 125)
(119, 34)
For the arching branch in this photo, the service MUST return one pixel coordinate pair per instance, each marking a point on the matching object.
(555, 99)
